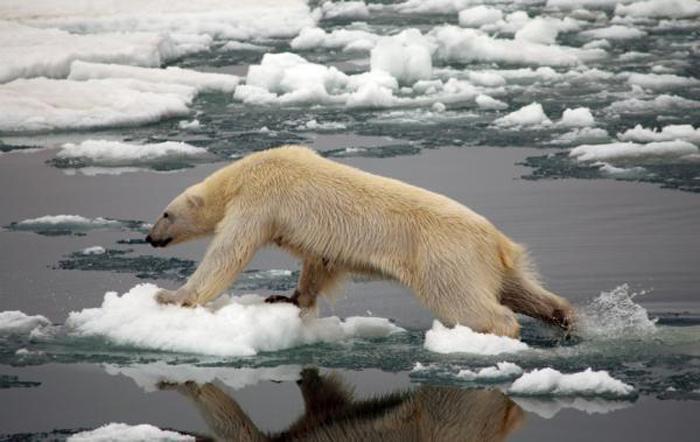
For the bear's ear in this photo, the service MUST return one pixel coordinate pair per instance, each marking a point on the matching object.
(195, 201)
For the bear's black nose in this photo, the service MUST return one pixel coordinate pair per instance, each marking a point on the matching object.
(149, 240)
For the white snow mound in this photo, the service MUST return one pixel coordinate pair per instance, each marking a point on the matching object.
(232, 326)
(461, 339)
(550, 382)
(118, 432)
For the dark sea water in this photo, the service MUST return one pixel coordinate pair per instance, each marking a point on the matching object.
(623, 247)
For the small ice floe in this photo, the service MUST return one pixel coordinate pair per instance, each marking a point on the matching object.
(17, 322)
(660, 9)
(640, 134)
(488, 102)
(661, 81)
(656, 105)
(502, 371)
(357, 40)
(405, 56)
(478, 16)
(550, 382)
(346, 9)
(149, 376)
(201, 81)
(578, 117)
(189, 125)
(116, 154)
(314, 124)
(530, 115)
(583, 135)
(52, 225)
(118, 432)
(461, 339)
(660, 150)
(94, 250)
(614, 32)
(235, 326)
(243, 46)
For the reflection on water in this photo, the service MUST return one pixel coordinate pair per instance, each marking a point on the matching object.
(332, 413)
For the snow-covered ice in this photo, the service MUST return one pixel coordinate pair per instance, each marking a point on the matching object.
(550, 382)
(106, 153)
(660, 8)
(502, 371)
(640, 134)
(345, 9)
(231, 326)
(629, 150)
(578, 117)
(461, 339)
(119, 432)
(530, 115)
(16, 322)
(479, 15)
(405, 56)
(93, 250)
(661, 81)
(614, 32)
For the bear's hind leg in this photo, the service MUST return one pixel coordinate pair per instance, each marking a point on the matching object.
(317, 275)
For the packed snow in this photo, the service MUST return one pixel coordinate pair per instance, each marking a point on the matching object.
(461, 339)
(119, 432)
(550, 382)
(106, 153)
(233, 326)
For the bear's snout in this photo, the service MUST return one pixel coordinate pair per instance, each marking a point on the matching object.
(158, 242)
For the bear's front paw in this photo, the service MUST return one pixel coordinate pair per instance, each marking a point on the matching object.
(179, 297)
(274, 299)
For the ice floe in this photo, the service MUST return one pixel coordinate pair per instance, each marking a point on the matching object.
(105, 153)
(578, 117)
(42, 104)
(550, 382)
(629, 150)
(614, 32)
(345, 9)
(94, 250)
(72, 224)
(479, 15)
(640, 134)
(16, 322)
(660, 9)
(530, 115)
(119, 432)
(661, 81)
(345, 39)
(201, 81)
(660, 103)
(502, 371)
(461, 339)
(405, 56)
(232, 326)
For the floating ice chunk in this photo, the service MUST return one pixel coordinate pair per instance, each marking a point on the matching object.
(243, 46)
(16, 322)
(488, 102)
(627, 151)
(621, 172)
(345, 39)
(579, 117)
(466, 45)
(530, 115)
(42, 104)
(550, 382)
(684, 132)
(406, 56)
(661, 8)
(351, 9)
(184, 19)
(313, 124)
(461, 339)
(64, 224)
(237, 326)
(487, 78)
(544, 30)
(614, 32)
(661, 81)
(660, 103)
(598, 44)
(575, 4)
(201, 81)
(432, 6)
(31, 52)
(118, 432)
(548, 407)
(479, 16)
(94, 250)
(148, 376)
(106, 153)
(503, 371)
(189, 125)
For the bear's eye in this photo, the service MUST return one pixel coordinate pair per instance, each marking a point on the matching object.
(166, 215)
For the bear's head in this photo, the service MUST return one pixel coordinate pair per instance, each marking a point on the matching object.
(185, 218)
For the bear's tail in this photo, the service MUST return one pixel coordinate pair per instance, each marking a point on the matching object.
(523, 293)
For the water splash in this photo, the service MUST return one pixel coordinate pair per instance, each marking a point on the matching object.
(615, 315)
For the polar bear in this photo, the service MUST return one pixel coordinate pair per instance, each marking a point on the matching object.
(340, 220)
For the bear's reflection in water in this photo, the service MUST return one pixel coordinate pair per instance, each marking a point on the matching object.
(428, 413)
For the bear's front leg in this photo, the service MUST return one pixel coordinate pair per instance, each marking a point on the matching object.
(181, 297)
